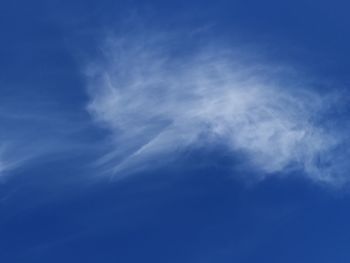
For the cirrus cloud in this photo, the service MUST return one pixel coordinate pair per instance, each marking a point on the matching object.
(158, 100)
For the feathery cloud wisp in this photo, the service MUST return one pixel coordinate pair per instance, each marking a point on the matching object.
(157, 101)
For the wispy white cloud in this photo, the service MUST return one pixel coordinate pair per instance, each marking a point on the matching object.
(4, 165)
(29, 135)
(11, 158)
(158, 100)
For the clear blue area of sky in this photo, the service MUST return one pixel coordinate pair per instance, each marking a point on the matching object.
(53, 210)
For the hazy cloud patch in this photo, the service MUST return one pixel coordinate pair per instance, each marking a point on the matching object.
(158, 100)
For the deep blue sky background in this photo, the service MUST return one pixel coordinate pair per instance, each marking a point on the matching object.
(55, 209)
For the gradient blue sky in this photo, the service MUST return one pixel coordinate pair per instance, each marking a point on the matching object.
(174, 131)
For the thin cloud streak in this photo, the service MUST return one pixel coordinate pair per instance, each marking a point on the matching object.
(32, 136)
(157, 102)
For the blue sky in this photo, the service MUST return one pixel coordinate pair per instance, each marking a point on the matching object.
(174, 131)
